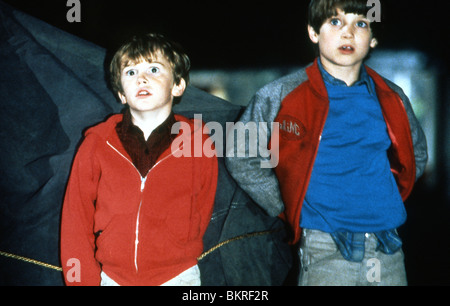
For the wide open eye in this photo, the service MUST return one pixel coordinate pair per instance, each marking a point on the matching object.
(131, 72)
(335, 22)
(153, 70)
(362, 24)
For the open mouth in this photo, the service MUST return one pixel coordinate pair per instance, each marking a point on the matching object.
(143, 93)
(347, 48)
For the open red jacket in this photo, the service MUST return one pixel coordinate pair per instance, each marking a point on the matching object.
(299, 104)
(138, 230)
(307, 106)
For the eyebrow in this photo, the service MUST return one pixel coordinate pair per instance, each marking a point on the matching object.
(156, 62)
(361, 17)
(132, 64)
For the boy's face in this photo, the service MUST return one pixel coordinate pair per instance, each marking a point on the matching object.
(344, 40)
(150, 87)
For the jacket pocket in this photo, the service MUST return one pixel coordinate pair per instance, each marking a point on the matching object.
(183, 224)
(115, 243)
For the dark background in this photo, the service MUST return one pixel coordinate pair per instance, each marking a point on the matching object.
(240, 34)
(262, 34)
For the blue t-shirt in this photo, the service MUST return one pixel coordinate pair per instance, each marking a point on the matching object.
(352, 187)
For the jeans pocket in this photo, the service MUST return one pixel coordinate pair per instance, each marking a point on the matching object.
(316, 248)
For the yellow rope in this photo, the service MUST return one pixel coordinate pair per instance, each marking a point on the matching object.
(29, 260)
(46, 265)
(235, 239)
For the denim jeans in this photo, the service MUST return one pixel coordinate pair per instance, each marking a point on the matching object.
(322, 264)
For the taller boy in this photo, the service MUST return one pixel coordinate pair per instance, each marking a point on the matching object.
(349, 163)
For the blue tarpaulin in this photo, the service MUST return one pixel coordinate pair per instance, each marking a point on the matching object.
(53, 87)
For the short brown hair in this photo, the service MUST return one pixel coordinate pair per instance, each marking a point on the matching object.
(145, 47)
(321, 10)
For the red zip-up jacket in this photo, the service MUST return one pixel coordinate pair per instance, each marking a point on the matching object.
(138, 230)
(299, 103)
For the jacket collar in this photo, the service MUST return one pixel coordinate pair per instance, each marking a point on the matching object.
(316, 80)
(364, 79)
(318, 83)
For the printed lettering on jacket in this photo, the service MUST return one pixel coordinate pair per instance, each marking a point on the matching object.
(291, 128)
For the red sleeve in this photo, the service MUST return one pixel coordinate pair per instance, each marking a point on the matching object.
(207, 171)
(207, 191)
(77, 225)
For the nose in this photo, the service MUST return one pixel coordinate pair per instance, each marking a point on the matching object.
(142, 79)
(347, 31)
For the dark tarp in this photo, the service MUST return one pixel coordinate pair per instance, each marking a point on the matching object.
(52, 87)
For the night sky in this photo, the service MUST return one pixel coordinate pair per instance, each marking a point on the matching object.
(240, 34)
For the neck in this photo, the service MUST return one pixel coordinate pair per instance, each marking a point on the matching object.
(148, 121)
(348, 74)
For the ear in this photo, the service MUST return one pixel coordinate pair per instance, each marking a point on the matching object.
(313, 35)
(373, 43)
(178, 89)
(122, 98)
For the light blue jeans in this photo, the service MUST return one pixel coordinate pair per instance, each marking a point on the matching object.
(323, 265)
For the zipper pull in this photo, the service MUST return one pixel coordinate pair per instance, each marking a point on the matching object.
(143, 179)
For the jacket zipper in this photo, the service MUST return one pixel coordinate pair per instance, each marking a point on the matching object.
(142, 188)
(136, 240)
